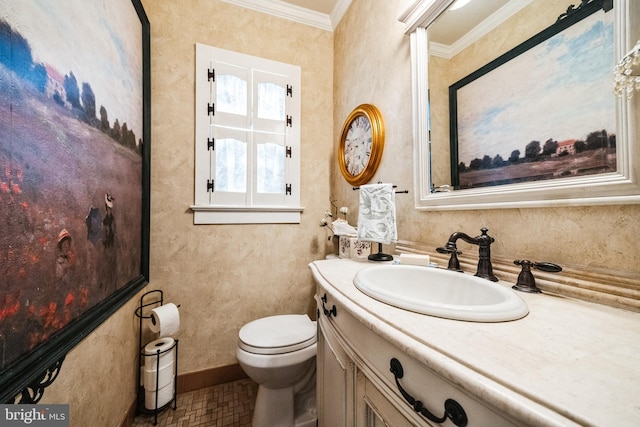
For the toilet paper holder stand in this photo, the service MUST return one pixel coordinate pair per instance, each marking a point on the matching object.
(149, 301)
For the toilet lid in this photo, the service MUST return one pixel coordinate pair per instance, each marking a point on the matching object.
(278, 334)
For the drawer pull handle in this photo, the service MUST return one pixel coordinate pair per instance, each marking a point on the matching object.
(452, 409)
(328, 312)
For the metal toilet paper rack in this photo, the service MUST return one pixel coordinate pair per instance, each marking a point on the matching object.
(148, 301)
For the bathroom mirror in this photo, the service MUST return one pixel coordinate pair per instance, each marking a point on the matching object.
(441, 59)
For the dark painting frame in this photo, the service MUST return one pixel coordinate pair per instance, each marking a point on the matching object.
(23, 379)
(573, 16)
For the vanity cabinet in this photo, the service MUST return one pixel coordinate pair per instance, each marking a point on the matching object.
(565, 364)
(356, 385)
(334, 378)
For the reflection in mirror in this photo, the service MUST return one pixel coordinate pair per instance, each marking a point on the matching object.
(557, 86)
(458, 43)
(449, 36)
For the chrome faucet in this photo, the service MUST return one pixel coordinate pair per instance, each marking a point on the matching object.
(484, 241)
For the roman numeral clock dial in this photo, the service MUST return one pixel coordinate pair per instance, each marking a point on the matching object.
(361, 144)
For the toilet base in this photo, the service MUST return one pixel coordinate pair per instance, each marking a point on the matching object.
(306, 412)
(280, 408)
(287, 407)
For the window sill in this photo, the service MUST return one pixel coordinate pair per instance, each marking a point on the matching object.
(206, 214)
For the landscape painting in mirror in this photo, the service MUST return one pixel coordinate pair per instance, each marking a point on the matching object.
(543, 110)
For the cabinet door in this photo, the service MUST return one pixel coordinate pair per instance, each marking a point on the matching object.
(334, 380)
(375, 410)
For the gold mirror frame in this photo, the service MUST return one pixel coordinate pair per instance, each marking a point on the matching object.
(377, 144)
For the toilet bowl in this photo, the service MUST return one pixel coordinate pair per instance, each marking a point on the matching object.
(279, 354)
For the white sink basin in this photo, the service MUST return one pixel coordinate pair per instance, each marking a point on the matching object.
(441, 293)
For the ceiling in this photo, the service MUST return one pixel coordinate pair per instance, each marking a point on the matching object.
(451, 25)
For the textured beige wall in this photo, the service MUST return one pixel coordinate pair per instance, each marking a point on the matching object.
(222, 275)
(98, 376)
(372, 64)
(226, 275)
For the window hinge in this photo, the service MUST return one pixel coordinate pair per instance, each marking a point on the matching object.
(289, 121)
(287, 152)
(287, 189)
(211, 144)
(290, 91)
(211, 109)
(211, 74)
(210, 186)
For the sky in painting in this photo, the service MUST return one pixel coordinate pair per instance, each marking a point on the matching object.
(560, 89)
(100, 41)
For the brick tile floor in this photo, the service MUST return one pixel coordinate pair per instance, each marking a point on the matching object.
(229, 404)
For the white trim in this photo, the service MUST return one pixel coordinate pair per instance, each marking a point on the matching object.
(420, 84)
(338, 12)
(295, 13)
(205, 214)
(422, 13)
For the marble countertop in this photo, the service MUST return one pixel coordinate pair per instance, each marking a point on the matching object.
(568, 362)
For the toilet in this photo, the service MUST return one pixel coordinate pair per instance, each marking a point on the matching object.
(279, 354)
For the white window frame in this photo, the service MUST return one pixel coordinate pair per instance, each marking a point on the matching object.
(250, 207)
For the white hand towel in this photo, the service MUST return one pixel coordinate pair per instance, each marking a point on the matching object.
(377, 214)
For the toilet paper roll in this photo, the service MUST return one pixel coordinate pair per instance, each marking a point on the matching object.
(162, 376)
(165, 395)
(414, 259)
(165, 320)
(166, 349)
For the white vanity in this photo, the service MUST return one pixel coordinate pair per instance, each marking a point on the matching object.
(568, 362)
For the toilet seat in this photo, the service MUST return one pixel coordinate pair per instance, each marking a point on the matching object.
(277, 334)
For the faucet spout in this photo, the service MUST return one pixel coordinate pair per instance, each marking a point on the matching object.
(464, 236)
(484, 241)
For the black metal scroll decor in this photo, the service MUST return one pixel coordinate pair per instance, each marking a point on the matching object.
(452, 409)
(32, 393)
(607, 5)
(328, 312)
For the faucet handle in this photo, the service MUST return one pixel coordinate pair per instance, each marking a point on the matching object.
(547, 266)
(451, 249)
(448, 250)
(526, 282)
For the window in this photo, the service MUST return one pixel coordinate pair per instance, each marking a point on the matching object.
(247, 139)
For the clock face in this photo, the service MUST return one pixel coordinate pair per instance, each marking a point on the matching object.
(357, 145)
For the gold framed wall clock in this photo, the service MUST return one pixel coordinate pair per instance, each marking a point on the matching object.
(361, 144)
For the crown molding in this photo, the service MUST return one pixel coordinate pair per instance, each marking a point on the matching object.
(338, 12)
(501, 15)
(295, 13)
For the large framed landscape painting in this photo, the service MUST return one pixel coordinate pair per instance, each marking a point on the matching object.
(543, 110)
(74, 178)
